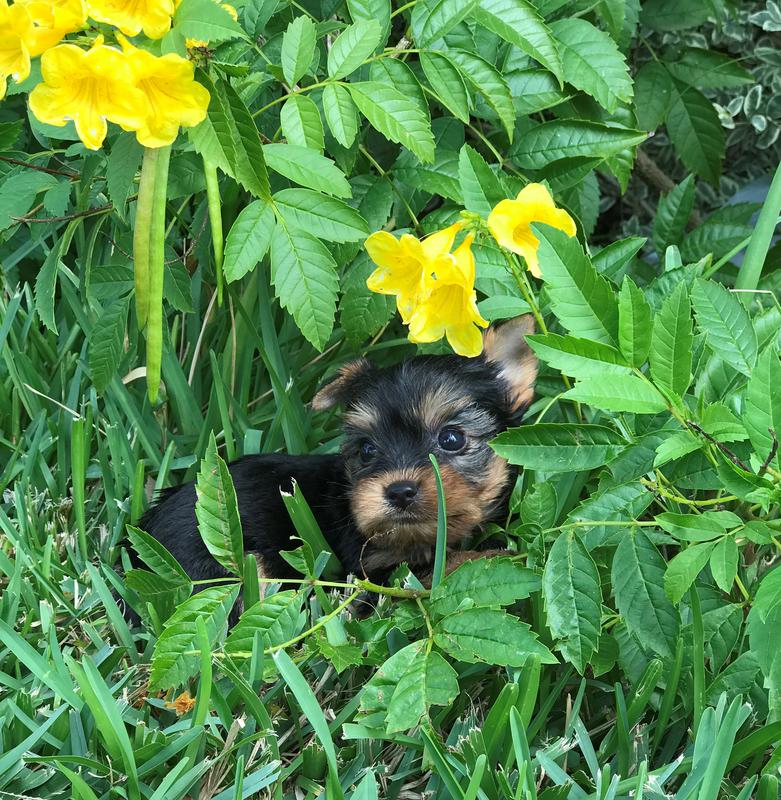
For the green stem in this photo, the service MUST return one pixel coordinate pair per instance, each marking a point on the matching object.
(215, 220)
(144, 205)
(751, 269)
(698, 657)
(154, 332)
(440, 551)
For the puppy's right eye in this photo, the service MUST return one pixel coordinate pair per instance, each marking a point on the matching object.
(367, 451)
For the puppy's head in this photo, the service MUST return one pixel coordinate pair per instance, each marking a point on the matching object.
(446, 405)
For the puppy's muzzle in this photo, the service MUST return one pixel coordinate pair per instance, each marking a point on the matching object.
(402, 494)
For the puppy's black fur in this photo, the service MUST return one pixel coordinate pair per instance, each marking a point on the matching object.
(394, 417)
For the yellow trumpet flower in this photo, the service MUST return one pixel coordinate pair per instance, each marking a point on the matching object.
(53, 19)
(133, 16)
(510, 222)
(90, 87)
(450, 305)
(172, 96)
(402, 264)
(16, 30)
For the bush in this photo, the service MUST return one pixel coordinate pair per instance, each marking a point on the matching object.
(172, 299)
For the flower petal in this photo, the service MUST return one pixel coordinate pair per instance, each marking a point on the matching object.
(466, 340)
(440, 242)
(383, 248)
(537, 194)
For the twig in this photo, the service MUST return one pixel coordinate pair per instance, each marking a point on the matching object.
(90, 212)
(724, 449)
(74, 176)
(772, 454)
(652, 174)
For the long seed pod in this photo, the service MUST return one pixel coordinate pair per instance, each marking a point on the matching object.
(154, 329)
(215, 220)
(146, 191)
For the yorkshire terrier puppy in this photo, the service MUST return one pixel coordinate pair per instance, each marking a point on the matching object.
(376, 501)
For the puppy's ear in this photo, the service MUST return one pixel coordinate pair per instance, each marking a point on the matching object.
(505, 345)
(340, 387)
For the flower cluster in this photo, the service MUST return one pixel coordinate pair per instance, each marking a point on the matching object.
(151, 95)
(435, 288)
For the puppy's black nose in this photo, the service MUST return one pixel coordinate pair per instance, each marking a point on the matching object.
(401, 494)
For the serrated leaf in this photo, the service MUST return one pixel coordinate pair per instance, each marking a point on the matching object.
(278, 618)
(592, 62)
(362, 313)
(675, 446)
(217, 511)
(491, 636)
(709, 69)
(176, 285)
(248, 239)
(396, 73)
(581, 298)
(304, 275)
(446, 83)
(480, 186)
(352, 47)
(301, 123)
(173, 662)
(684, 569)
(620, 393)
(579, 358)
(763, 405)
(621, 503)
(724, 563)
(106, 341)
(540, 506)
(156, 557)
(671, 343)
(439, 17)
(46, 287)
(570, 138)
(573, 599)
(674, 15)
(56, 199)
(634, 323)
(519, 23)
(395, 116)
(488, 582)
(695, 131)
(307, 168)
(321, 215)
(653, 95)
(298, 48)
(378, 10)
(9, 133)
(727, 324)
(768, 595)
(672, 215)
(205, 20)
(559, 447)
(340, 114)
(638, 575)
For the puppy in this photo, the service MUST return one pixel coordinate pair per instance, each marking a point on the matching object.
(376, 501)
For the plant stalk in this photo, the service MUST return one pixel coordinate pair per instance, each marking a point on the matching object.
(215, 220)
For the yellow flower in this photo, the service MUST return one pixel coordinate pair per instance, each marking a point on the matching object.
(450, 307)
(133, 16)
(53, 19)
(172, 96)
(510, 222)
(403, 263)
(89, 87)
(231, 10)
(192, 44)
(16, 29)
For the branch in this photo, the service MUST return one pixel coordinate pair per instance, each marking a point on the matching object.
(724, 449)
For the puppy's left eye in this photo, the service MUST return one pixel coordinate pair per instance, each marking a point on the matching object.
(367, 451)
(451, 439)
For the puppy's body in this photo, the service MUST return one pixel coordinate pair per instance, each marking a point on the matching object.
(376, 501)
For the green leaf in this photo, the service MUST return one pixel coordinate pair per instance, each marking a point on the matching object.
(620, 503)
(724, 563)
(106, 340)
(301, 123)
(634, 323)
(519, 23)
(352, 47)
(340, 114)
(176, 285)
(320, 215)
(614, 259)
(395, 116)
(581, 298)
(694, 527)
(763, 405)
(248, 239)
(534, 89)
(217, 511)
(304, 275)
(573, 599)
(768, 595)
(618, 393)
(228, 137)
(277, 617)
(122, 164)
(671, 343)
(695, 131)
(559, 447)
(298, 48)
(592, 62)
(9, 133)
(205, 20)
(439, 17)
(173, 662)
(570, 138)
(672, 215)
(709, 69)
(540, 505)
(674, 15)
(491, 636)
(684, 569)
(490, 83)
(307, 167)
(653, 95)
(579, 358)
(395, 72)
(498, 581)
(46, 287)
(362, 313)
(378, 10)
(156, 557)
(480, 186)
(638, 575)
(446, 82)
